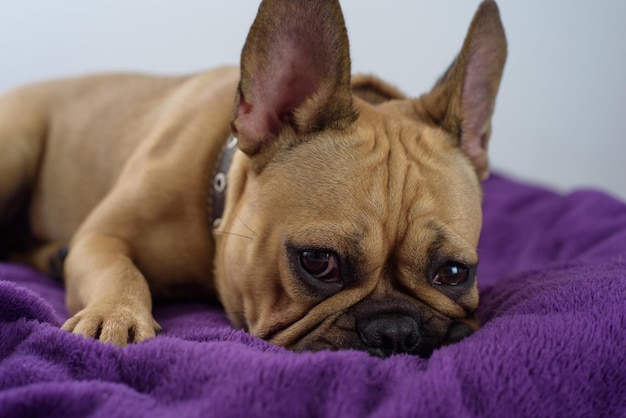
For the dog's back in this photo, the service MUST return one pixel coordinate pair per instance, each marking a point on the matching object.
(64, 144)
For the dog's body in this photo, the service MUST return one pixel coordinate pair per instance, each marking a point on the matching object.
(352, 213)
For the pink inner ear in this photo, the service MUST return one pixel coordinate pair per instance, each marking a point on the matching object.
(479, 90)
(250, 126)
(276, 93)
(295, 82)
(293, 77)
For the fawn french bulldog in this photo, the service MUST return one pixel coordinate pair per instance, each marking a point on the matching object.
(324, 211)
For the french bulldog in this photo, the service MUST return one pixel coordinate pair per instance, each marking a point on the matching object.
(324, 211)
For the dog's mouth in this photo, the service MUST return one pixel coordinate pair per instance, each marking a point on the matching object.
(384, 333)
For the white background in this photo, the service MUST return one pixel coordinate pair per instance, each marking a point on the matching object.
(559, 113)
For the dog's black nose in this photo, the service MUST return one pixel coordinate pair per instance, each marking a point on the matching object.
(389, 333)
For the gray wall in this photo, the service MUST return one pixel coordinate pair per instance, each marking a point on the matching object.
(560, 110)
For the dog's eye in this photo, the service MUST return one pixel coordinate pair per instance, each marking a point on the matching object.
(451, 274)
(321, 265)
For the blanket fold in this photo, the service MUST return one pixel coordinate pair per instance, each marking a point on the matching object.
(552, 344)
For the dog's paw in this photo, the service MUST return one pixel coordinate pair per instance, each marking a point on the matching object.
(116, 324)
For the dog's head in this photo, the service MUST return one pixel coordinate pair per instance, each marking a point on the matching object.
(353, 218)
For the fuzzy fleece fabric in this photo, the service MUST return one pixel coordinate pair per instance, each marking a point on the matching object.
(553, 343)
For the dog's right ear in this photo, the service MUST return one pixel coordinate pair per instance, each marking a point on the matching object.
(463, 100)
(295, 72)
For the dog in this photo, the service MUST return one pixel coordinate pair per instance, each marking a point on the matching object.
(323, 211)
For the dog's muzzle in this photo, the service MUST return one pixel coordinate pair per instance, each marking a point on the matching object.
(388, 333)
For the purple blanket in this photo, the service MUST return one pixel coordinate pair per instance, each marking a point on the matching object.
(553, 280)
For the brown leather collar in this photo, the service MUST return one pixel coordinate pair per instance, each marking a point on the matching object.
(217, 192)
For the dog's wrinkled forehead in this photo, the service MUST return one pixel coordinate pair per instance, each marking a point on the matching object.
(375, 183)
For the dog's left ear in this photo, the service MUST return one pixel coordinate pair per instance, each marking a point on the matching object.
(463, 100)
(295, 72)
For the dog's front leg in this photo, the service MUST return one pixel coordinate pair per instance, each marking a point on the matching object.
(106, 292)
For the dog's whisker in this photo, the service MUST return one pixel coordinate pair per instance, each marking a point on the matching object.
(247, 227)
(234, 234)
